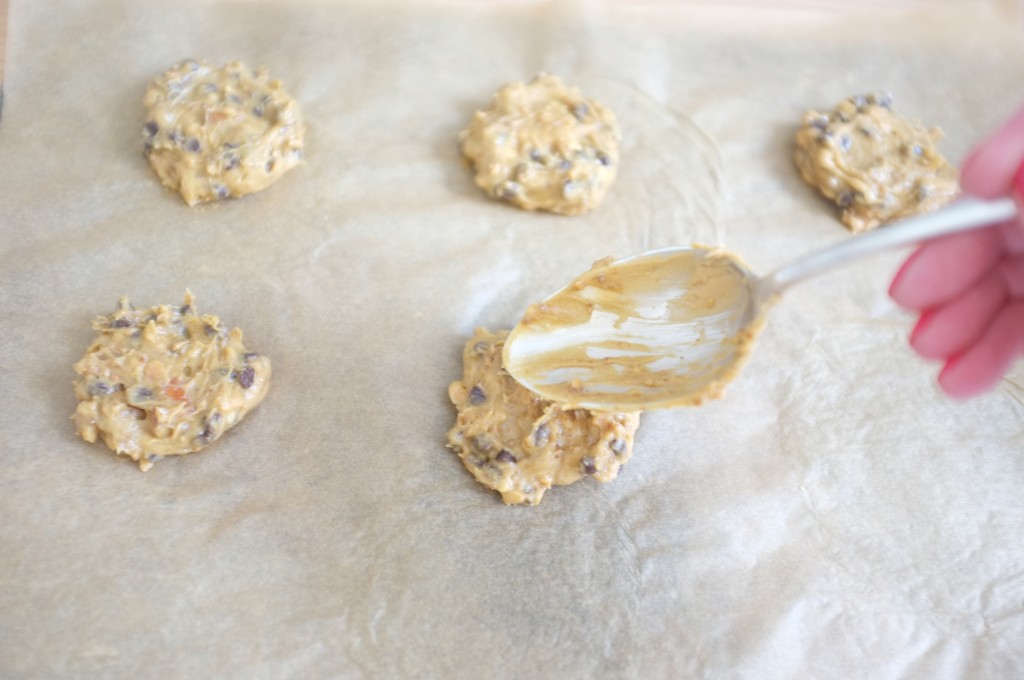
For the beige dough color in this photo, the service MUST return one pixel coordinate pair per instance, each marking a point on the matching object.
(520, 444)
(215, 133)
(542, 146)
(873, 163)
(165, 381)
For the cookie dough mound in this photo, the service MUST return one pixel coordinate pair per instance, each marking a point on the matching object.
(214, 133)
(165, 381)
(873, 163)
(520, 444)
(542, 146)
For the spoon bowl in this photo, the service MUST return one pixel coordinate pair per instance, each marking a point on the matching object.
(673, 327)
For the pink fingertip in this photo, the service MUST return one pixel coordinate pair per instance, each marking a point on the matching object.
(897, 279)
(920, 328)
(979, 369)
(991, 168)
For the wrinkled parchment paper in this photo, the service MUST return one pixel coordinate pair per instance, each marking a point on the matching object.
(834, 516)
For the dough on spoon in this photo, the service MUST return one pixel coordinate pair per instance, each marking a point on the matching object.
(214, 133)
(165, 381)
(873, 163)
(520, 444)
(543, 146)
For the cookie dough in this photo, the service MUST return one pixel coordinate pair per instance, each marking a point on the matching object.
(520, 444)
(165, 381)
(214, 133)
(873, 163)
(542, 146)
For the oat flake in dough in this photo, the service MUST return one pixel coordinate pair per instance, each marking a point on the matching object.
(542, 146)
(215, 133)
(520, 444)
(165, 381)
(873, 163)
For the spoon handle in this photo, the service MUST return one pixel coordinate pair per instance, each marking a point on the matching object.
(964, 214)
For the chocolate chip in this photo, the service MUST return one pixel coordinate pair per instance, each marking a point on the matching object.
(222, 191)
(174, 136)
(209, 432)
(580, 110)
(505, 457)
(845, 142)
(120, 323)
(477, 396)
(588, 466)
(192, 145)
(143, 393)
(603, 159)
(258, 111)
(509, 189)
(269, 167)
(845, 199)
(617, 446)
(536, 156)
(541, 434)
(232, 162)
(100, 388)
(152, 128)
(246, 377)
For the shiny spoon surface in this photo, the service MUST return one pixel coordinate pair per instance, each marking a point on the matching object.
(673, 327)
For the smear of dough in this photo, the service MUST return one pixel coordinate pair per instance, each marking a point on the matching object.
(543, 146)
(215, 133)
(520, 444)
(873, 163)
(165, 381)
(661, 330)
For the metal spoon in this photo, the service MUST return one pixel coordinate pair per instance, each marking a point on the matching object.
(672, 327)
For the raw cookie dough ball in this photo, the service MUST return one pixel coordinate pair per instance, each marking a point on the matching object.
(165, 381)
(520, 444)
(875, 164)
(542, 146)
(214, 133)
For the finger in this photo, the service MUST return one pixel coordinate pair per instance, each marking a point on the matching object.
(1012, 270)
(978, 369)
(950, 329)
(990, 168)
(942, 269)
(1013, 233)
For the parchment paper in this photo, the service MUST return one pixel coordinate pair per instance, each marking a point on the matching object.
(834, 516)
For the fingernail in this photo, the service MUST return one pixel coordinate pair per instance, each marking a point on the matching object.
(922, 324)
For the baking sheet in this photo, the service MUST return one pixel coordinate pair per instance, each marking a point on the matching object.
(834, 516)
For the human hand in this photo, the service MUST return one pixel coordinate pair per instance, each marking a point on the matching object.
(969, 287)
